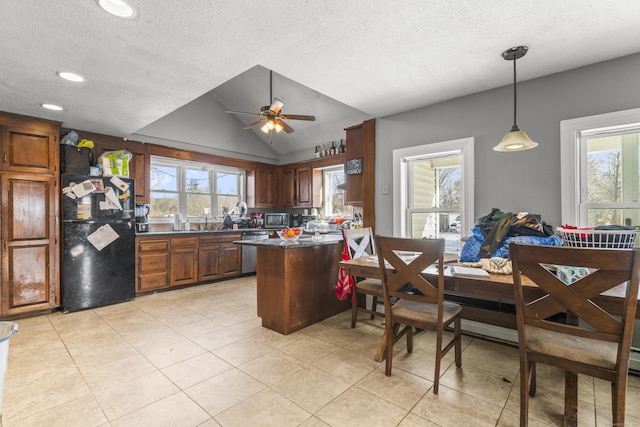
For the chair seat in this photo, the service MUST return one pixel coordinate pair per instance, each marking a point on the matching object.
(370, 286)
(570, 347)
(424, 312)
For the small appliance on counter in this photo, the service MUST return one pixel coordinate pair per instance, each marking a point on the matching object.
(276, 220)
(257, 221)
(296, 220)
(142, 218)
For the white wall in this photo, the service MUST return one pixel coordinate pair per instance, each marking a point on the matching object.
(522, 181)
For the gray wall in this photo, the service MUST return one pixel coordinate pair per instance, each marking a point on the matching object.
(202, 125)
(522, 181)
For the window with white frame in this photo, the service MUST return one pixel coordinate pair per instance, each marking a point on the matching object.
(194, 190)
(600, 159)
(334, 194)
(433, 191)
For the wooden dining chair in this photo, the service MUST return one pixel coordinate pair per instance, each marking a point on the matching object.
(419, 302)
(593, 341)
(361, 243)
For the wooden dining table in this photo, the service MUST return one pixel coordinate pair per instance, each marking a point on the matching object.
(498, 287)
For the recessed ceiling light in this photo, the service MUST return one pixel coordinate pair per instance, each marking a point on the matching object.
(53, 107)
(72, 77)
(117, 8)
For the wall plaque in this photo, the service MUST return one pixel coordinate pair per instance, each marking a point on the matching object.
(354, 166)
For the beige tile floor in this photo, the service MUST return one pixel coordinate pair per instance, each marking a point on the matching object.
(199, 357)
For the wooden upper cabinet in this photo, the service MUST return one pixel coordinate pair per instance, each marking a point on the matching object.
(360, 188)
(30, 148)
(288, 187)
(308, 187)
(354, 183)
(265, 187)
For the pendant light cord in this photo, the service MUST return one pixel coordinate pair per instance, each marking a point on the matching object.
(515, 97)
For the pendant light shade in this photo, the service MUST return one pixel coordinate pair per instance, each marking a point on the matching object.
(515, 140)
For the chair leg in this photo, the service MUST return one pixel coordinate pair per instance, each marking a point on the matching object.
(525, 376)
(436, 373)
(354, 310)
(618, 400)
(374, 306)
(410, 340)
(391, 330)
(457, 331)
(532, 378)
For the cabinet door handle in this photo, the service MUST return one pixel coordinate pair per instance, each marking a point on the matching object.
(4, 158)
(4, 244)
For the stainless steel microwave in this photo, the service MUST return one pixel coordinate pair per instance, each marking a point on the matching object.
(276, 220)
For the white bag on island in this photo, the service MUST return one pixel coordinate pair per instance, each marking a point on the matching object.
(115, 163)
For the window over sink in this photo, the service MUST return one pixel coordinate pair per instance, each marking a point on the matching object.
(194, 190)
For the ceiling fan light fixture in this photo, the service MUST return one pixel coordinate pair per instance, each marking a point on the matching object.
(268, 126)
(278, 126)
(515, 139)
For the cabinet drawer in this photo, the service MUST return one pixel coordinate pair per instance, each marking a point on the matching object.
(184, 241)
(153, 245)
(220, 238)
(149, 263)
(147, 282)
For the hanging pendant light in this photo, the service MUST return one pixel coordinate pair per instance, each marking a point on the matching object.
(515, 140)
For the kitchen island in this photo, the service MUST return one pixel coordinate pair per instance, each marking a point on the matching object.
(295, 281)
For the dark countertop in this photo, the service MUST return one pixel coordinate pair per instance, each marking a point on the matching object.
(162, 233)
(305, 241)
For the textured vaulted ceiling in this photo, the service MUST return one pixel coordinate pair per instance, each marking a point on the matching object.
(335, 59)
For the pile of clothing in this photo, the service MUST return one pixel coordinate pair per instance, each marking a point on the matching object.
(492, 233)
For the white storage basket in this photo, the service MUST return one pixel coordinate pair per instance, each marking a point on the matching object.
(598, 239)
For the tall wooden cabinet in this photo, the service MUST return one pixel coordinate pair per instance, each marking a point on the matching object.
(360, 187)
(30, 272)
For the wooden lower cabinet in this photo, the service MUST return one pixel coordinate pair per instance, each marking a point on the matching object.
(152, 264)
(184, 260)
(179, 259)
(218, 257)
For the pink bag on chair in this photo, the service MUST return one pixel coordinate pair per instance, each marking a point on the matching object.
(344, 286)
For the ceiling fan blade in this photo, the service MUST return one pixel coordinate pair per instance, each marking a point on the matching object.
(256, 123)
(242, 112)
(298, 117)
(276, 106)
(286, 127)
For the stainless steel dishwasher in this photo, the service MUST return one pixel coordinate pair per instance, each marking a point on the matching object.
(249, 252)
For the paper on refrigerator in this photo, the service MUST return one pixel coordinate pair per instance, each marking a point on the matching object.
(111, 201)
(102, 237)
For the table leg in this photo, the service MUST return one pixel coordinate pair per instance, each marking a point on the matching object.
(382, 345)
(570, 399)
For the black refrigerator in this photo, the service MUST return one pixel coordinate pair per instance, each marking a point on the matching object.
(98, 229)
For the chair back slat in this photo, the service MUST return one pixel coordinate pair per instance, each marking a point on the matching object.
(360, 241)
(408, 258)
(606, 269)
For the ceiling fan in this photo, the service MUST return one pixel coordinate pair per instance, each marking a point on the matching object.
(271, 116)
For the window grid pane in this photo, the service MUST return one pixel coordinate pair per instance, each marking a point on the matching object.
(611, 177)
